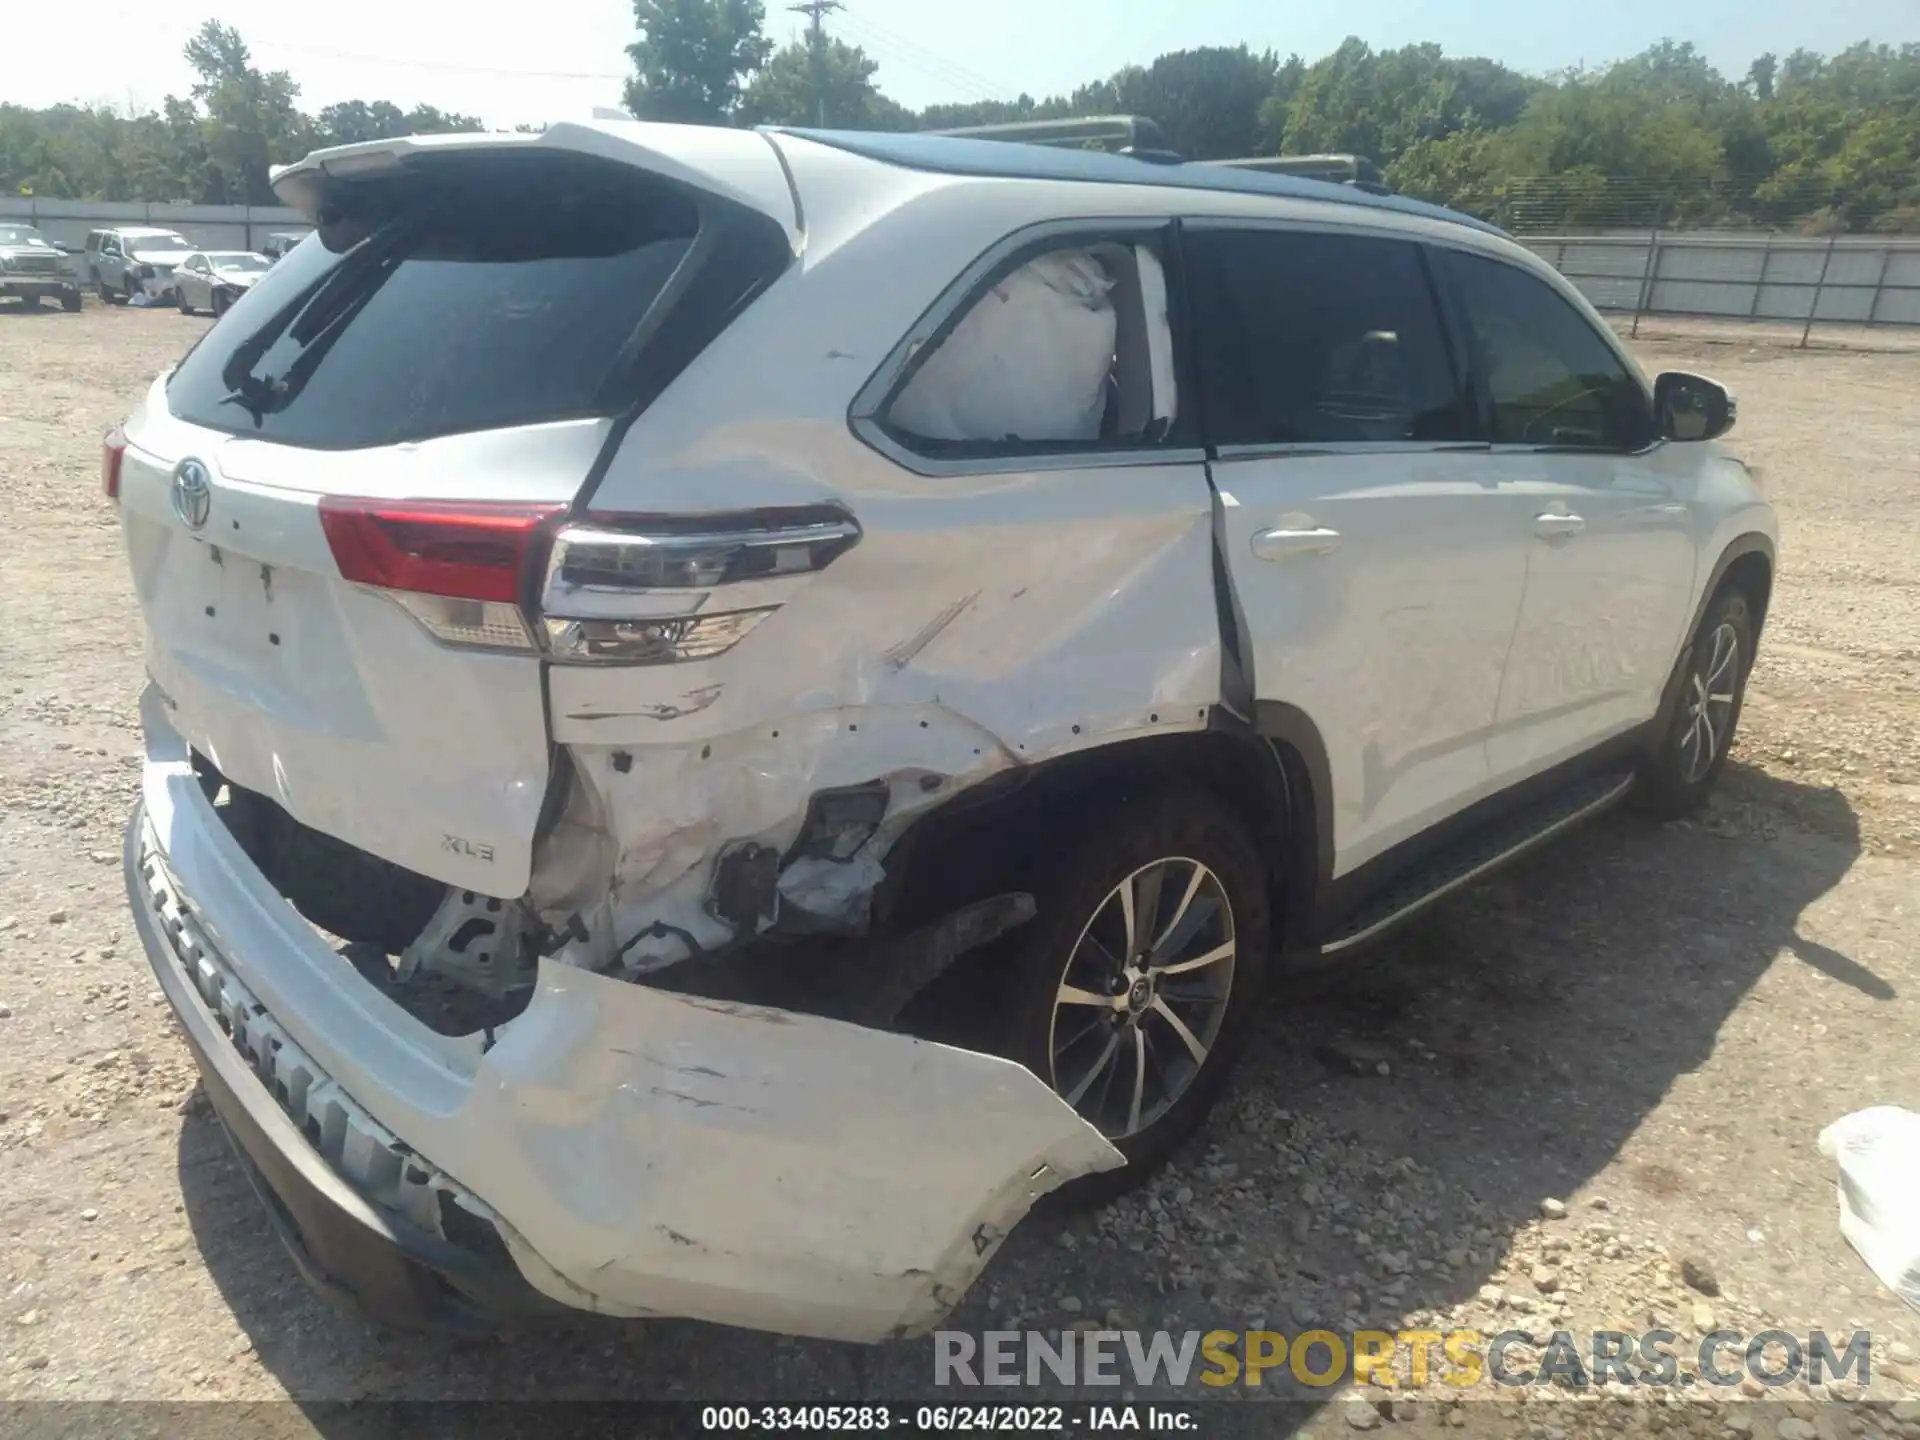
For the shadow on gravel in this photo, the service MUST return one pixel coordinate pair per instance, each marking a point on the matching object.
(1561, 999)
(1531, 1025)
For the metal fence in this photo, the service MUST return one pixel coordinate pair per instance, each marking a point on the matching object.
(1849, 279)
(213, 227)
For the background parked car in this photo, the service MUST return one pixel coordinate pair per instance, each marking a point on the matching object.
(124, 261)
(281, 241)
(214, 279)
(32, 267)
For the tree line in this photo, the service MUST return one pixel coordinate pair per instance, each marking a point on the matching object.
(1806, 141)
(213, 146)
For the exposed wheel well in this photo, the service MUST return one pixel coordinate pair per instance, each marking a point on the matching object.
(988, 838)
(1752, 575)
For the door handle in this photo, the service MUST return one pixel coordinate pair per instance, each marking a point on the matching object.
(1557, 527)
(1280, 544)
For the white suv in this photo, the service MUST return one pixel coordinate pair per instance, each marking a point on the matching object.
(728, 709)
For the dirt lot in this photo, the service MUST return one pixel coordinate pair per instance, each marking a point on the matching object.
(1649, 1024)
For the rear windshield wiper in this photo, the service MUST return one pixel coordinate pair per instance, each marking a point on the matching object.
(315, 332)
(335, 296)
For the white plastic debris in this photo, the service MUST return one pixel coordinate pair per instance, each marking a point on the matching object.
(1029, 361)
(1878, 1152)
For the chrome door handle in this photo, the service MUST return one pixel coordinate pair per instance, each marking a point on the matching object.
(1280, 544)
(1557, 527)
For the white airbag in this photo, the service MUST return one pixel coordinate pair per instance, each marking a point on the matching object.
(1030, 361)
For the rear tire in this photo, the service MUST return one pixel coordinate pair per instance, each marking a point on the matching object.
(71, 303)
(220, 303)
(1141, 1044)
(180, 299)
(1675, 781)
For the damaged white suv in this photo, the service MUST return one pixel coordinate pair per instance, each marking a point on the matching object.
(728, 709)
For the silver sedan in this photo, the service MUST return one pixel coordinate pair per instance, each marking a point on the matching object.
(214, 279)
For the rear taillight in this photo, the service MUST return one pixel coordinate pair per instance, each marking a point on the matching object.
(112, 453)
(466, 551)
(615, 590)
(631, 592)
(457, 566)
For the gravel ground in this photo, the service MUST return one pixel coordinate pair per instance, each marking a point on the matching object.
(1582, 1095)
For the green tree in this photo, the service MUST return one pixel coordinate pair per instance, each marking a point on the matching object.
(952, 116)
(1207, 101)
(693, 57)
(830, 84)
(351, 121)
(1466, 170)
(250, 115)
(1803, 140)
(1380, 103)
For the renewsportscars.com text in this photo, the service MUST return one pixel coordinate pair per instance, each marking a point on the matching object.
(1404, 1358)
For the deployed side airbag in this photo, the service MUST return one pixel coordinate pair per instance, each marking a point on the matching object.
(1030, 360)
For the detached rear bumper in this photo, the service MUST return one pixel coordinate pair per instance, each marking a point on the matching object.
(357, 1255)
(615, 1148)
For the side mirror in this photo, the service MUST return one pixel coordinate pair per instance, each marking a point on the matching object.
(1692, 407)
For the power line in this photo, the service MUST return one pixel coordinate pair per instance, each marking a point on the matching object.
(931, 62)
(969, 83)
(815, 11)
(955, 77)
(440, 65)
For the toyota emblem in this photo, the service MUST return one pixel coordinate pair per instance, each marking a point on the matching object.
(192, 493)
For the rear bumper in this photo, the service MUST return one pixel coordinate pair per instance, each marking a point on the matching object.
(615, 1148)
(357, 1255)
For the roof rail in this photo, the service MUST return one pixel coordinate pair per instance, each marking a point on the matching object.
(1128, 134)
(1355, 170)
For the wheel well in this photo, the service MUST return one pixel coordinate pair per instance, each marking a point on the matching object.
(986, 839)
(1752, 575)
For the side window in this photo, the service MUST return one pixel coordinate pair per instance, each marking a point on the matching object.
(1065, 350)
(1551, 379)
(1312, 338)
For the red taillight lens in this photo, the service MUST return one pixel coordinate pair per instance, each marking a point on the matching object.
(110, 457)
(468, 551)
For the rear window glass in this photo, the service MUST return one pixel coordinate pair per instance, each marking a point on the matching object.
(494, 294)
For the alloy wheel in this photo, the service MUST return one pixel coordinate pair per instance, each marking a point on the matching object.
(1143, 995)
(1706, 725)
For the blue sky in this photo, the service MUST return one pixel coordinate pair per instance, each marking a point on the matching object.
(568, 58)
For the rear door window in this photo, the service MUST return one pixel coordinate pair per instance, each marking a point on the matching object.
(1318, 338)
(493, 296)
(1551, 380)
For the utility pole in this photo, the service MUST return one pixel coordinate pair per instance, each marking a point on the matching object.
(814, 10)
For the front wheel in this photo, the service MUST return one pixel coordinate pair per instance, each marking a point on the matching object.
(220, 303)
(1713, 685)
(1133, 988)
(180, 299)
(70, 302)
